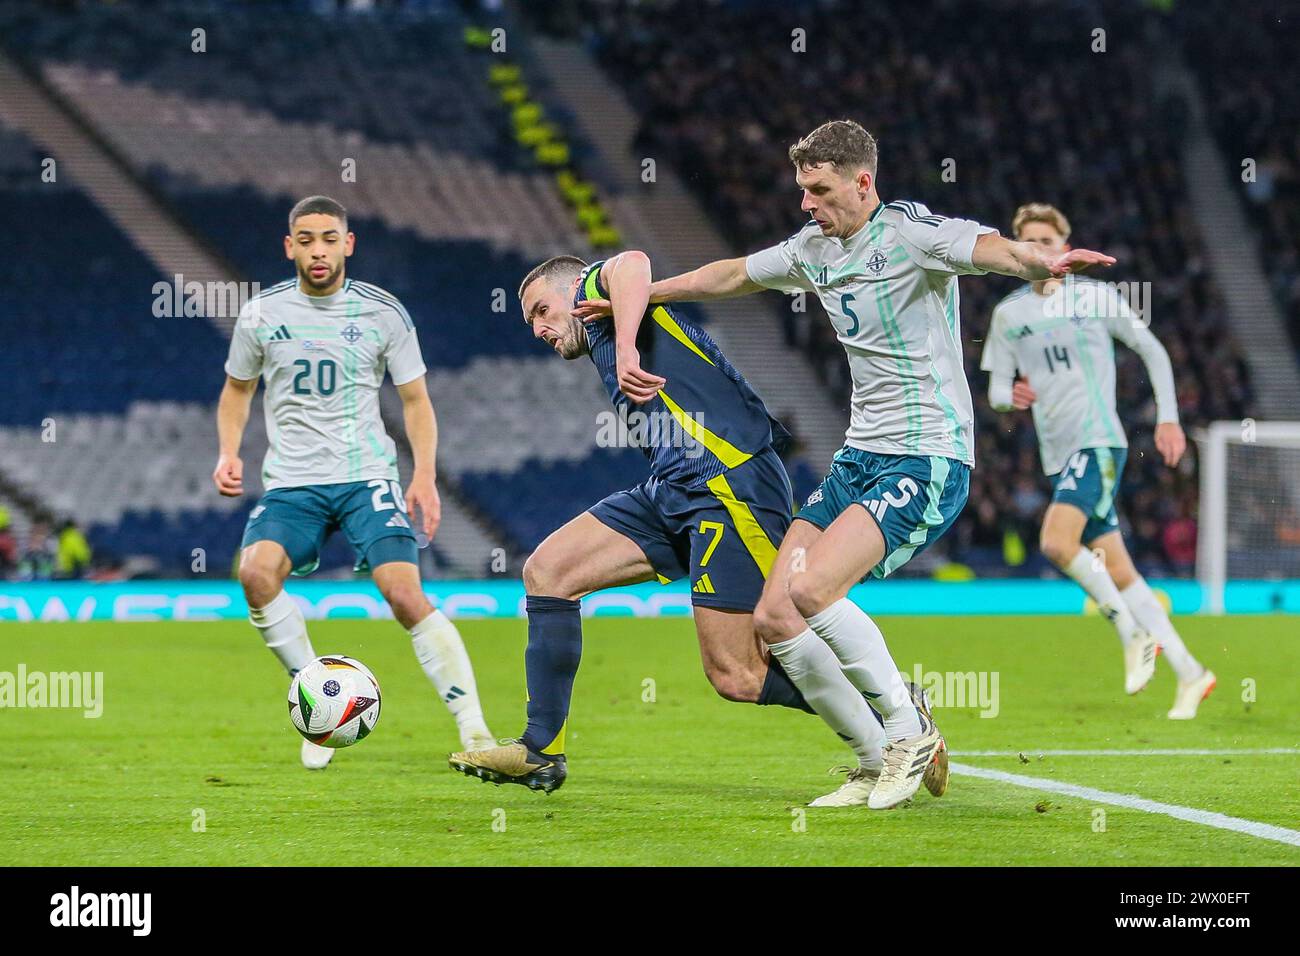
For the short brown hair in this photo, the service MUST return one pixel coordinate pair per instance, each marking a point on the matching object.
(557, 267)
(1040, 212)
(318, 205)
(842, 143)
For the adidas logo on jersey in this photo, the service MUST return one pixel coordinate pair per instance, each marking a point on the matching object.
(704, 585)
(1025, 330)
(281, 335)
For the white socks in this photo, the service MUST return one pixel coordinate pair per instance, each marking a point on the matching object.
(442, 655)
(285, 631)
(813, 668)
(1097, 582)
(866, 662)
(437, 646)
(1150, 613)
(1135, 607)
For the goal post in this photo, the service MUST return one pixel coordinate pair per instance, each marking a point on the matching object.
(1249, 516)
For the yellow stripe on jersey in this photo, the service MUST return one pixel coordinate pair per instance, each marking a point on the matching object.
(591, 288)
(756, 541)
(723, 450)
(669, 325)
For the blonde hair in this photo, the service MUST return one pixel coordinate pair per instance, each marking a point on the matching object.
(1040, 212)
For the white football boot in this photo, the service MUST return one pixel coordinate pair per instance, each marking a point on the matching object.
(936, 773)
(854, 792)
(316, 757)
(1139, 661)
(1190, 695)
(906, 762)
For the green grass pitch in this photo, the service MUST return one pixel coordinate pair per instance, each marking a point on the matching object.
(194, 762)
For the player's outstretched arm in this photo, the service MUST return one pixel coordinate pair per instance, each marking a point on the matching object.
(232, 416)
(627, 276)
(422, 433)
(1030, 260)
(723, 279)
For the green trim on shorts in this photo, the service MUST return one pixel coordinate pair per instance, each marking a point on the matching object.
(1106, 471)
(933, 518)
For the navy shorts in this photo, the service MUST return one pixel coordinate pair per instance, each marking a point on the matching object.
(913, 498)
(723, 537)
(1089, 481)
(371, 513)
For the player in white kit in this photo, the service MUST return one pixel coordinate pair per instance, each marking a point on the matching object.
(322, 343)
(1050, 348)
(886, 274)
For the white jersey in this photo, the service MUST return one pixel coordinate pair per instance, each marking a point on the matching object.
(890, 291)
(1062, 343)
(322, 360)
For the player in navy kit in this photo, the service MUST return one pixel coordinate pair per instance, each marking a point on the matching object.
(714, 509)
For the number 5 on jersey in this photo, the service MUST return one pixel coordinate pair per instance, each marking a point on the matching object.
(846, 307)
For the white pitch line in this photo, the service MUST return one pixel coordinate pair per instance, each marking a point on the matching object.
(1265, 831)
(1171, 752)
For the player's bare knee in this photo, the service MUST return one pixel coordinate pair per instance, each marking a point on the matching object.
(409, 603)
(534, 573)
(1057, 549)
(260, 583)
(774, 623)
(543, 576)
(808, 594)
(766, 624)
(733, 683)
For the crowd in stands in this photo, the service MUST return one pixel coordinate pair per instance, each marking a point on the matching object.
(47, 551)
(1254, 114)
(978, 107)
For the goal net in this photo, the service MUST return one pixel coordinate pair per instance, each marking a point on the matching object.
(1249, 525)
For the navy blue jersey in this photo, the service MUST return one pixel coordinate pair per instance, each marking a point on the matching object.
(706, 420)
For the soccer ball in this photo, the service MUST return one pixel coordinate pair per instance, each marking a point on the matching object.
(334, 701)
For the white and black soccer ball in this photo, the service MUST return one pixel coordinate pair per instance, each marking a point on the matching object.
(334, 701)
